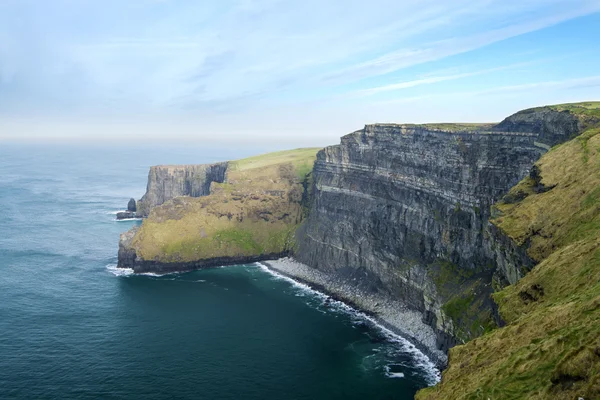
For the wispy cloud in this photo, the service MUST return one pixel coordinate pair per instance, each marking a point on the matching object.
(434, 79)
(588, 82)
(204, 57)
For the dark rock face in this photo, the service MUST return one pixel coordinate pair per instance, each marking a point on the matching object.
(126, 255)
(127, 215)
(138, 265)
(511, 260)
(394, 200)
(167, 181)
(131, 206)
(552, 127)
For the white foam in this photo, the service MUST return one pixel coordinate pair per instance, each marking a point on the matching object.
(391, 374)
(432, 373)
(113, 269)
(151, 274)
(127, 219)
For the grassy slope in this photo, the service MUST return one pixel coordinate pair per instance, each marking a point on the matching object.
(550, 348)
(256, 211)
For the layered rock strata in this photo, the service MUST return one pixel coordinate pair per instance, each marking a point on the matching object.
(166, 182)
(410, 205)
(397, 211)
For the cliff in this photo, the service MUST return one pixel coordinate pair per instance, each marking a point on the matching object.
(409, 205)
(446, 219)
(550, 347)
(250, 215)
(166, 182)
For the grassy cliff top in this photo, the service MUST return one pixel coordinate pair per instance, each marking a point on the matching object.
(550, 348)
(296, 157)
(582, 109)
(256, 211)
(578, 108)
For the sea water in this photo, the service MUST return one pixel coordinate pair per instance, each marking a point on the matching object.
(73, 326)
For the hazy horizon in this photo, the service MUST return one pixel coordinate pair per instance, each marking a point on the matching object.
(284, 74)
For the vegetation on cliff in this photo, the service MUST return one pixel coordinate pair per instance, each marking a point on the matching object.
(550, 348)
(255, 211)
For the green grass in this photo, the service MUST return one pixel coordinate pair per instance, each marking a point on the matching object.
(566, 213)
(550, 348)
(458, 306)
(465, 296)
(256, 211)
(241, 238)
(300, 158)
(583, 108)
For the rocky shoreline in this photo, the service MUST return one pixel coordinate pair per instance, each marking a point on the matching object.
(389, 313)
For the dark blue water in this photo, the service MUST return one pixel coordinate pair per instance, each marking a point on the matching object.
(71, 328)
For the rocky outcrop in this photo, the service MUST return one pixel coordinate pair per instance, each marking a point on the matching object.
(169, 181)
(126, 255)
(131, 206)
(140, 266)
(166, 182)
(553, 125)
(127, 215)
(250, 217)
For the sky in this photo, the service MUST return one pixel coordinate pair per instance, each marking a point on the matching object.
(286, 72)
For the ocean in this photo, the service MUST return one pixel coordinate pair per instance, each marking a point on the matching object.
(72, 326)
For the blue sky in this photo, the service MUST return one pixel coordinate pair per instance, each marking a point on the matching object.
(291, 72)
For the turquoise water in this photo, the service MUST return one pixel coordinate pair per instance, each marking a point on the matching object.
(73, 327)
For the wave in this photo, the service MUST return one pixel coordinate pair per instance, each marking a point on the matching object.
(421, 361)
(390, 374)
(116, 271)
(113, 269)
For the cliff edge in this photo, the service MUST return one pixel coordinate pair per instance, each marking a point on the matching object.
(165, 182)
(250, 215)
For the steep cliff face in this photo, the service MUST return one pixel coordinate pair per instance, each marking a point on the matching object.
(410, 205)
(166, 182)
(550, 346)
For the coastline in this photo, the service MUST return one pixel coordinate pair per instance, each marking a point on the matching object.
(391, 315)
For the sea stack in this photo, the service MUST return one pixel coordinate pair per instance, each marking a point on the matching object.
(131, 206)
